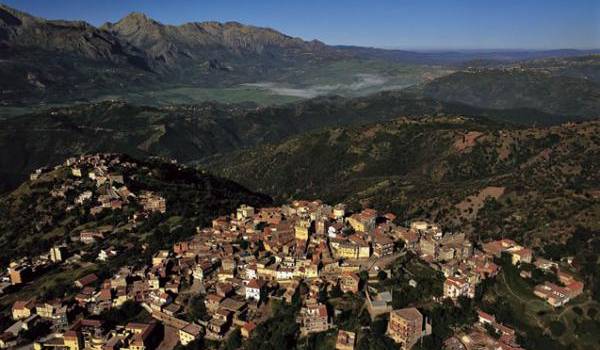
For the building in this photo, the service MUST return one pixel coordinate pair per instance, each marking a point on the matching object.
(19, 274)
(255, 289)
(22, 309)
(382, 246)
(553, 294)
(189, 333)
(160, 257)
(153, 202)
(313, 318)
(363, 221)
(146, 336)
(58, 253)
(247, 329)
(345, 340)
(301, 229)
(244, 211)
(405, 327)
(520, 255)
(455, 287)
(86, 280)
(349, 282)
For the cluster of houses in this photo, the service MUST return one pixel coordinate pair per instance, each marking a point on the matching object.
(238, 264)
(241, 263)
(463, 266)
(556, 295)
(552, 293)
(486, 333)
(108, 173)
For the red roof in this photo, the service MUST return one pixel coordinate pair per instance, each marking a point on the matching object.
(255, 284)
(88, 279)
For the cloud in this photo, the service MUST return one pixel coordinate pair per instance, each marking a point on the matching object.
(363, 81)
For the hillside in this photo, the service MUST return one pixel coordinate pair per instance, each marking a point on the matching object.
(544, 181)
(584, 67)
(190, 133)
(44, 59)
(564, 92)
(50, 60)
(54, 207)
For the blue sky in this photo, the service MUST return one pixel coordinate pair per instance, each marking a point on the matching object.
(408, 24)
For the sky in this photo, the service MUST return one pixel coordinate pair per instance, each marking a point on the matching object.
(403, 24)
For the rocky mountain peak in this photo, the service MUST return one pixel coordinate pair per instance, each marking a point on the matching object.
(133, 22)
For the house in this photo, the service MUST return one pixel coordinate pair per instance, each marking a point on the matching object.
(382, 245)
(284, 273)
(573, 288)
(58, 253)
(247, 329)
(86, 280)
(152, 202)
(22, 309)
(146, 336)
(363, 221)
(455, 287)
(89, 237)
(160, 257)
(339, 211)
(8, 341)
(189, 333)
(409, 237)
(53, 311)
(244, 211)
(405, 327)
(349, 282)
(212, 302)
(255, 289)
(203, 269)
(520, 255)
(313, 318)
(553, 294)
(545, 264)
(345, 340)
(302, 229)
(20, 274)
(106, 254)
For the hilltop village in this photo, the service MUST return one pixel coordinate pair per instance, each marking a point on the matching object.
(224, 281)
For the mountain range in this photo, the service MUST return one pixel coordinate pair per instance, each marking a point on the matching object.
(56, 61)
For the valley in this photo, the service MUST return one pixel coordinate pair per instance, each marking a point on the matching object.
(180, 179)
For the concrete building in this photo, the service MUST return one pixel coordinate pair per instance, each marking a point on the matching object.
(405, 327)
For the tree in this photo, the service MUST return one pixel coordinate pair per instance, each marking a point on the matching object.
(197, 308)
(557, 328)
(234, 341)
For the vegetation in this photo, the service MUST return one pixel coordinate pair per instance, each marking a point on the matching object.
(495, 88)
(535, 185)
(40, 220)
(278, 332)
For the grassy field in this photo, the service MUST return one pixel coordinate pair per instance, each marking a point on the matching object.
(194, 95)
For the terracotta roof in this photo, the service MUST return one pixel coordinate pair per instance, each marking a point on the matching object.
(87, 279)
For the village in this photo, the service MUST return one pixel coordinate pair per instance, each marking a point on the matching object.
(248, 260)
